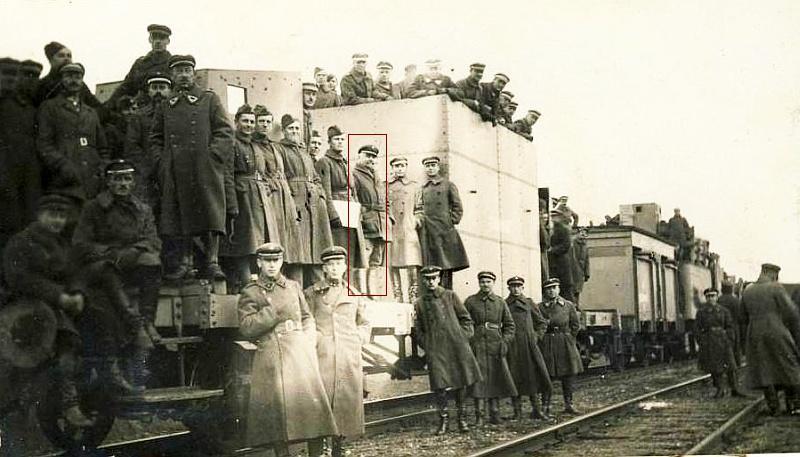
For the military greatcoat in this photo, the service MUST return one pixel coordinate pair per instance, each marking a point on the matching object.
(734, 306)
(405, 248)
(371, 193)
(773, 336)
(193, 146)
(356, 88)
(287, 398)
(715, 329)
(444, 328)
(342, 328)
(494, 331)
(525, 360)
(137, 150)
(558, 344)
(441, 209)
(144, 65)
(560, 259)
(383, 91)
(423, 83)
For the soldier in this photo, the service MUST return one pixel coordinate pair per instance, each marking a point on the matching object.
(255, 222)
(494, 331)
(357, 86)
(523, 126)
(571, 216)
(371, 194)
(734, 307)
(544, 240)
(508, 114)
(405, 251)
(433, 82)
(192, 144)
(36, 267)
(287, 397)
(314, 145)
(157, 60)
(50, 86)
(384, 89)
(404, 86)
(470, 91)
(20, 170)
(342, 328)
(309, 199)
(558, 344)
(773, 336)
(501, 108)
(327, 96)
(8, 76)
(525, 360)
(491, 92)
(444, 328)
(680, 233)
(117, 246)
(309, 98)
(560, 255)
(440, 210)
(320, 76)
(580, 263)
(715, 329)
(137, 142)
(71, 141)
(115, 124)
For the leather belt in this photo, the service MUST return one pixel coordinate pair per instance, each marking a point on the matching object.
(283, 328)
(556, 329)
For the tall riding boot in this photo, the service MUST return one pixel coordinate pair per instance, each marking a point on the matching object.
(315, 447)
(537, 413)
(337, 446)
(567, 385)
(397, 285)
(546, 398)
(113, 375)
(733, 383)
(413, 284)
(441, 405)
(517, 403)
(69, 404)
(771, 395)
(212, 269)
(462, 423)
(716, 380)
(129, 314)
(478, 412)
(150, 285)
(371, 273)
(359, 278)
(183, 253)
(494, 411)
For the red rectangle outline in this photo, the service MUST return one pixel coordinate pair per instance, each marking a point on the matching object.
(386, 217)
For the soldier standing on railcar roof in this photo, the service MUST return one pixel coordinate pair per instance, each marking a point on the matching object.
(491, 92)
(405, 252)
(342, 328)
(358, 86)
(524, 126)
(734, 306)
(580, 262)
(288, 401)
(715, 329)
(192, 144)
(157, 60)
(384, 89)
(404, 86)
(525, 360)
(494, 331)
(50, 86)
(444, 328)
(558, 344)
(470, 91)
(433, 82)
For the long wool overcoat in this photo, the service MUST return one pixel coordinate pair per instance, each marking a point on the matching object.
(525, 360)
(716, 334)
(558, 344)
(287, 399)
(494, 331)
(341, 330)
(441, 210)
(405, 248)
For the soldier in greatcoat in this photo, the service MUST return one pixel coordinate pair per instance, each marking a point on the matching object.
(71, 141)
(470, 91)
(580, 262)
(491, 93)
(715, 329)
(280, 195)
(544, 240)
(192, 143)
(405, 252)
(734, 307)
(358, 86)
(36, 266)
(560, 255)
(494, 331)
(309, 99)
(51, 85)
(773, 338)
(255, 223)
(157, 60)
(309, 198)
(524, 126)
(440, 209)
(384, 89)
(371, 194)
(558, 345)
(501, 107)
(315, 145)
(433, 82)
(508, 114)
(524, 358)
(288, 401)
(342, 328)
(444, 328)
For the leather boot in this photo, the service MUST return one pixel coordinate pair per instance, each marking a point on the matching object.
(462, 423)
(494, 412)
(371, 272)
(75, 417)
(397, 285)
(114, 377)
(478, 412)
(413, 285)
(517, 403)
(546, 404)
(69, 401)
(568, 407)
(213, 271)
(442, 424)
(771, 395)
(733, 383)
(337, 446)
(719, 391)
(536, 413)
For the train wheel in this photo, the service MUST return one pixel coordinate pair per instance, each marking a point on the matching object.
(96, 404)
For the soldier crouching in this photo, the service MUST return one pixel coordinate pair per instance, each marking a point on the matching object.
(116, 242)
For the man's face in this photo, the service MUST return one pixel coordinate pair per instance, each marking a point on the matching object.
(411, 73)
(516, 290)
(61, 58)
(246, 124)
(476, 74)
(552, 292)
(563, 200)
(485, 285)
(712, 298)
(499, 84)
(433, 69)
(309, 98)
(159, 41)
(432, 169)
(183, 76)
(53, 220)
(677, 212)
(384, 75)
(264, 123)
(399, 169)
(337, 143)
(510, 109)
(530, 118)
(72, 82)
(366, 160)
(292, 132)
(158, 91)
(314, 144)
(431, 282)
(360, 65)
(270, 268)
(332, 82)
(334, 268)
(504, 101)
(120, 184)
(321, 79)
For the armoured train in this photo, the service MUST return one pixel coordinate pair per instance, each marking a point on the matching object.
(637, 303)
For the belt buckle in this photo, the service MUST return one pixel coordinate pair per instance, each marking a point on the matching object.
(83, 141)
(289, 325)
(490, 325)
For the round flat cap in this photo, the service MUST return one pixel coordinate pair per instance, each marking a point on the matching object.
(551, 282)
(287, 120)
(315, 134)
(770, 266)
(270, 251)
(333, 131)
(158, 77)
(361, 55)
(515, 281)
(513, 103)
(245, 109)
(534, 113)
(310, 86)
(54, 201)
(503, 77)
(398, 160)
(487, 274)
(178, 60)
(431, 270)
(73, 67)
(333, 252)
(159, 29)
(119, 166)
(477, 66)
(319, 71)
(369, 150)
(431, 159)
(432, 62)
(384, 66)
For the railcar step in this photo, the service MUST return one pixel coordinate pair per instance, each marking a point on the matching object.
(171, 394)
(180, 340)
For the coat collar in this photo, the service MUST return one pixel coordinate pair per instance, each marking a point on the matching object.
(520, 300)
(192, 96)
(435, 181)
(335, 156)
(242, 137)
(557, 301)
(365, 171)
(438, 292)
(403, 180)
(269, 284)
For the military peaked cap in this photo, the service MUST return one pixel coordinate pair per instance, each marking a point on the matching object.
(477, 66)
(487, 274)
(369, 150)
(551, 283)
(159, 29)
(333, 252)
(507, 94)
(319, 71)
(177, 60)
(158, 77)
(513, 103)
(384, 66)
(534, 113)
(52, 48)
(710, 291)
(310, 86)
(360, 55)
(54, 201)
(515, 281)
(432, 62)
(119, 166)
(430, 159)
(270, 251)
(431, 270)
(333, 131)
(31, 65)
(410, 67)
(398, 160)
(73, 67)
(770, 267)
(503, 77)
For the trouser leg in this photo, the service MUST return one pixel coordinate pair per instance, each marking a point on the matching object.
(716, 380)
(359, 278)
(397, 285)
(771, 395)
(568, 386)
(441, 405)
(413, 284)
(315, 446)
(478, 411)
(212, 268)
(494, 411)
(337, 446)
(516, 402)
(447, 279)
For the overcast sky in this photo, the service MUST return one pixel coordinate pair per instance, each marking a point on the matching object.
(694, 104)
